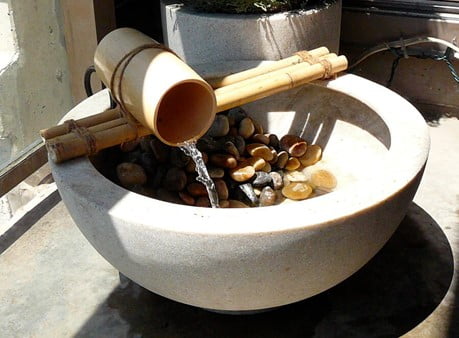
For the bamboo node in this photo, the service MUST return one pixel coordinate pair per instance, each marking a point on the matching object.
(88, 138)
(328, 67)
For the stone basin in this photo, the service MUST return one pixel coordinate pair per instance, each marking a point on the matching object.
(374, 141)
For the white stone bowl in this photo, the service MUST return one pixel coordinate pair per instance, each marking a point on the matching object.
(375, 142)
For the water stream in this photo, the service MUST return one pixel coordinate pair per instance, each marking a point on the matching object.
(190, 149)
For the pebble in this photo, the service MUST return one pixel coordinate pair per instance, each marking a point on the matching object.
(186, 198)
(267, 168)
(258, 127)
(220, 127)
(282, 158)
(242, 172)
(129, 146)
(275, 156)
(231, 149)
(145, 143)
(203, 201)
(233, 132)
(130, 174)
(168, 196)
(178, 158)
(323, 179)
(261, 179)
(274, 141)
(222, 189)
(158, 178)
(236, 204)
(175, 179)
(267, 197)
(296, 176)
(260, 138)
(224, 204)
(276, 180)
(148, 162)
(260, 150)
(239, 142)
(294, 145)
(143, 190)
(197, 189)
(246, 194)
(312, 155)
(297, 191)
(160, 150)
(238, 114)
(292, 163)
(223, 160)
(215, 172)
(207, 144)
(256, 162)
(231, 121)
(246, 128)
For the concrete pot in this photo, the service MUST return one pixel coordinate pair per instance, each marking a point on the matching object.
(212, 37)
(375, 142)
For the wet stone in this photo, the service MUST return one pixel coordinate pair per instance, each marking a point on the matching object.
(267, 197)
(186, 198)
(223, 160)
(160, 150)
(237, 114)
(168, 196)
(148, 162)
(297, 191)
(223, 203)
(215, 172)
(242, 173)
(273, 141)
(222, 189)
(292, 163)
(246, 128)
(178, 158)
(260, 138)
(220, 127)
(129, 146)
(260, 150)
(267, 168)
(282, 158)
(261, 179)
(246, 194)
(130, 174)
(312, 155)
(236, 204)
(175, 179)
(276, 179)
(240, 144)
(294, 145)
(159, 176)
(231, 149)
(203, 201)
(207, 144)
(197, 189)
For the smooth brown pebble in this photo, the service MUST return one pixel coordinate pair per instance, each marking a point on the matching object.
(186, 198)
(160, 150)
(292, 163)
(215, 172)
(222, 189)
(273, 140)
(297, 191)
(242, 173)
(203, 201)
(256, 162)
(260, 150)
(260, 138)
(323, 179)
(258, 127)
(296, 176)
(294, 145)
(223, 160)
(267, 197)
(231, 149)
(223, 204)
(246, 128)
(237, 204)
(131, 174)
(197, 189)
(267, 168)
(312, 155)
(220, 127)
(282, 158)
(175, 179)
(275, 156)
(129, 146)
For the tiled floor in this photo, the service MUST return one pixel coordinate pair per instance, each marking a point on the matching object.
(54, 284)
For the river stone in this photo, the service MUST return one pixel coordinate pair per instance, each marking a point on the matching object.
(175, 179)
(277, 181)
(297, 191)
(178, 158)
(222, 189)
(187, 198)
(267, 197)
(233, 131)
(231, 149)
(160, 150)
(245, 194)
(223, 204)
(203, 201)
(267, 168)
(207, 144)
(148, 162)
(260, 138)
(129, 145)
(223, 160)
(242, 172)
(292, 163)
(145, 143)
(236, 204)
(261, 179)
(239, 142)
(197, 189)
(312, 155)
(275, 156)
(168, 196)
(159, 176)
(282, 158)
(296, 176)
(220, 127)
(258, 127)
(130, 174)
(260, 150)
(238, 114)
(323, 179)
(256, 162)
(273, 141)
(246, 128)
(294, 145)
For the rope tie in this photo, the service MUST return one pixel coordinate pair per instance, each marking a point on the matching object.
(307, 57)
(327, 67)
(84, 134)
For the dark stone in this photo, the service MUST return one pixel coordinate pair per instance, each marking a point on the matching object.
(261, 179)
(238, 114)
(178, 158)
(220, 127)
(175, 179)
(246, 194)
(148, 162)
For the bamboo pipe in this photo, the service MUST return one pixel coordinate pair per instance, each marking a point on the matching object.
(86, 122)
(275, 82)
(73, 146)
(299, 57)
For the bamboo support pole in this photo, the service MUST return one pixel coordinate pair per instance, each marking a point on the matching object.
(86, 122)
(275, 82)
(310, 57)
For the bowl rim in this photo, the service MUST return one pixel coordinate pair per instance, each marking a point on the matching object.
(80, 178)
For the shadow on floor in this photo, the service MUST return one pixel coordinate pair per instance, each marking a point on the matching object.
(391, 295)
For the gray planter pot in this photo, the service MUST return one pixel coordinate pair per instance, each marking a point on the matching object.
(212, 37)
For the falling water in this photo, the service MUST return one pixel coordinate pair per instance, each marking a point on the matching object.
(190, 149)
